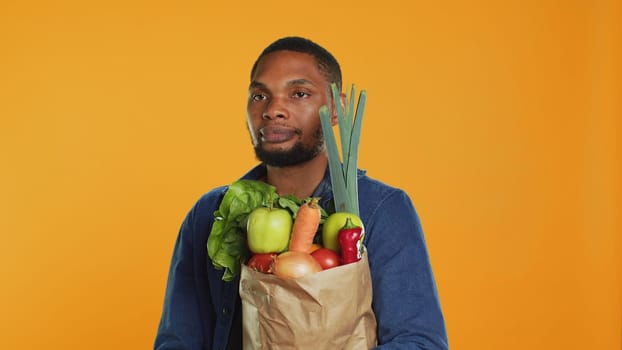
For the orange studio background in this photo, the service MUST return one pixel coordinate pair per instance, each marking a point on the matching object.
(502, 120)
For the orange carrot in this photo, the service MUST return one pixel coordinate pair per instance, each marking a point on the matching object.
(305, 226)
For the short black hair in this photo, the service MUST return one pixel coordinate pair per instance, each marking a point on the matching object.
(326, 62)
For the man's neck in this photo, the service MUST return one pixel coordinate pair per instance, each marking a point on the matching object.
(300, 180)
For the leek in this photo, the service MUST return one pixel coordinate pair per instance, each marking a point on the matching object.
(343, 168)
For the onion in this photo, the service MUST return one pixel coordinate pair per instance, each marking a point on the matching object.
(293, 264)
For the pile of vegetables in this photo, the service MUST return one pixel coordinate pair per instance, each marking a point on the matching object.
(282, 235)
(291, 237)
(299, 255)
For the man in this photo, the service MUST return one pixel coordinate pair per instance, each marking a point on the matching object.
(290, 81)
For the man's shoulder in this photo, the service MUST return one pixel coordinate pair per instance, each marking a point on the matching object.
(379, 196)
(207, 203)
(213, 195)
(373, 187)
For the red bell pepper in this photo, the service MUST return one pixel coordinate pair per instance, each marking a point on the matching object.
(350, 241)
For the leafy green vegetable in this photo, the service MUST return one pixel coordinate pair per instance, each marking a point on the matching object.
(344, 174)
(290, 202)
(226, 243)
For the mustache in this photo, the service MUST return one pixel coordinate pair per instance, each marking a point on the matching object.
(282, 127)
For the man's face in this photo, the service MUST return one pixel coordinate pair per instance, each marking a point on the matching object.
(285, 95)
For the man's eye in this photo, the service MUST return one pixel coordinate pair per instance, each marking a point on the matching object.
(300, 94)
(258, 97)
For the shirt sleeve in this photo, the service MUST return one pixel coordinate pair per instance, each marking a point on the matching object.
(180, 325)
(405, 297)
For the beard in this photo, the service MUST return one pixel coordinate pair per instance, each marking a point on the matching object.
(297, 154)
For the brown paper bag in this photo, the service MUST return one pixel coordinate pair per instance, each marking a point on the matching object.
(330, 309)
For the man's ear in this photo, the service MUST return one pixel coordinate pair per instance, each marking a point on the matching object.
(342, 101)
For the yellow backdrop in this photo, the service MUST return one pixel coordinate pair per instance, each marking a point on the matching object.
(502, 119)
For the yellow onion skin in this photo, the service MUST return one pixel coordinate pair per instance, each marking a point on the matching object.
(291, 264)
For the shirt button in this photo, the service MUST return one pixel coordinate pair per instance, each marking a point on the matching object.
(225, 311)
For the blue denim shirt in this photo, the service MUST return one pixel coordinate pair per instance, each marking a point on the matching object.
(199, 306)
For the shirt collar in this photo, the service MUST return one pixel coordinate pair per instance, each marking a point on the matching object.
(323, 190)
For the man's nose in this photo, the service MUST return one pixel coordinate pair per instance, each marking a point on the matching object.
(275, 109)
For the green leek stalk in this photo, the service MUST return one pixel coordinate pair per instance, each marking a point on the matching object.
(343, 168)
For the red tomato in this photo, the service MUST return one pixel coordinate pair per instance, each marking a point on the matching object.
(326, 257)
(262, 262)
